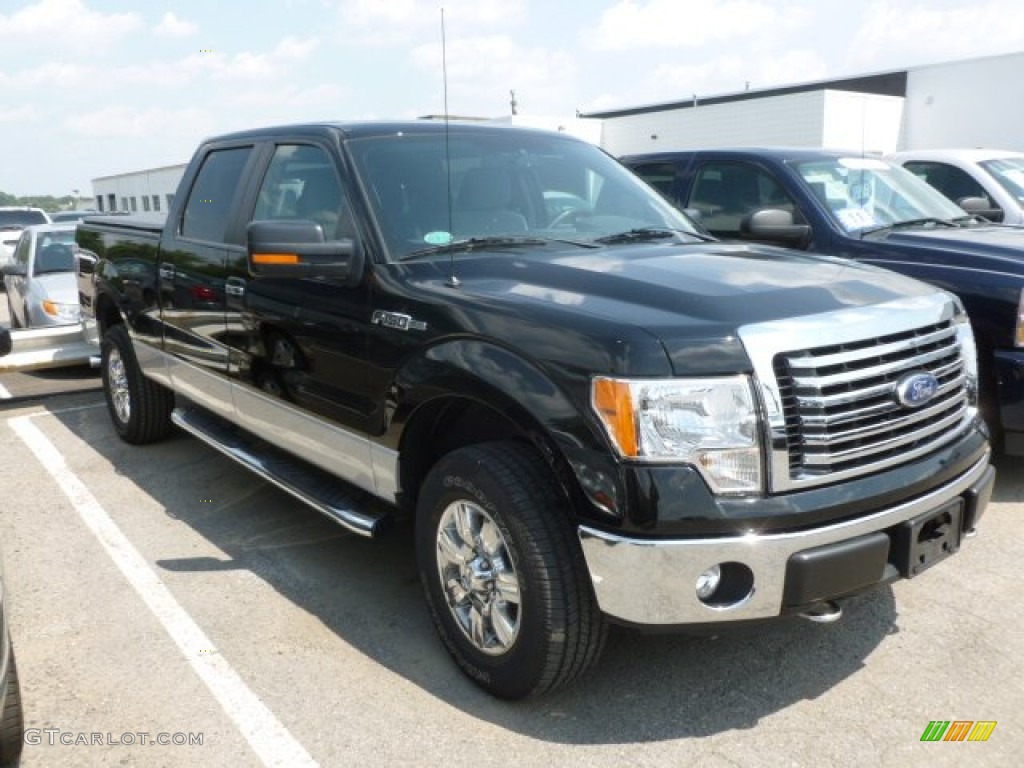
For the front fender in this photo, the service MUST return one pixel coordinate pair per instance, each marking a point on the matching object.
(554, 416)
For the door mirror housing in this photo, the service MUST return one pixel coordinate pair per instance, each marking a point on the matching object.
(981, 206)
(774, 225)
(14, 270)
(297, 248)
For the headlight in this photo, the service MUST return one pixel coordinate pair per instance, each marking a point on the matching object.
(66, 312)
(1018, 333)
(965, 337)
(710, 423)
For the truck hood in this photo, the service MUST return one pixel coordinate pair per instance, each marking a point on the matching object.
(692, 298)
(992, 247)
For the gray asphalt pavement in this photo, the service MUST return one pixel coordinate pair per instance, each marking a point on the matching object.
(326, 636)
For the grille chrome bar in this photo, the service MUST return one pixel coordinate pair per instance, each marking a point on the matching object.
(885, 445)
(941, 336)
(885, 369)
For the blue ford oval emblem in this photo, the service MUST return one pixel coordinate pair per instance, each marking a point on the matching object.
(916, 389)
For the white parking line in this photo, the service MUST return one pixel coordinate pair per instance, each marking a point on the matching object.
(4, 393)
(269, 739)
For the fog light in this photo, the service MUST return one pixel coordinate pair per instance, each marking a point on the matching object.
(708, 582)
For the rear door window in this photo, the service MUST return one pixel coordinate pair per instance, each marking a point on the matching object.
(210, 202)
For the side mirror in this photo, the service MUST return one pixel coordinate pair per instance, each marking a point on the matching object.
(5, 342)
(773, 225)
(981, 206)
(14, 270)
(296, 248)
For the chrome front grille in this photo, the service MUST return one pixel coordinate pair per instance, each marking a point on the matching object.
(839, 404)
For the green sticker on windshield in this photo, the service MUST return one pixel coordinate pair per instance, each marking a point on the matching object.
(438, 238)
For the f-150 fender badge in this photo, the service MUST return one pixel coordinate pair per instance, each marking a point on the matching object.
(916, 389)
(397, 321)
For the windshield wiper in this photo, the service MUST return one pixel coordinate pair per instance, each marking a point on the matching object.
(649, 234)
(923, 221)
(470, 244)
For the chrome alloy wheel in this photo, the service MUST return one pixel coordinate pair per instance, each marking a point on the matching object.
(478, 577)
(117, 379)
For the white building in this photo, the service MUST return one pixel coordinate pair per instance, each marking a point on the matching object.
(954, 104)
(138, 191)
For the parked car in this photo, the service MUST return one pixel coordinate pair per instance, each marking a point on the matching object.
(12, 722)
(866, 208)
(986, 182)
(13, 220)
(41, 281)
(63, 216)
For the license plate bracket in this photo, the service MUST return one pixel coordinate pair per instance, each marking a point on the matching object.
(927, 539)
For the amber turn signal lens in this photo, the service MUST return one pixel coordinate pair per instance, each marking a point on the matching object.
(613, 402)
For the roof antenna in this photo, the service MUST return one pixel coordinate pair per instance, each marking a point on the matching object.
(453, 280)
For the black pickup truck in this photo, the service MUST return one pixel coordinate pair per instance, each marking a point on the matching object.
(866, 208)
(587, 410)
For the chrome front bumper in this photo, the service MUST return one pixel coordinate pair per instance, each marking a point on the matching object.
(653, 582)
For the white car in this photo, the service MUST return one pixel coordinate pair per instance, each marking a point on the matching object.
(41, 280)
(13, 219)
(994, 174)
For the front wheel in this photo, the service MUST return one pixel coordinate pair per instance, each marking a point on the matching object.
(12, 724)
(139, 408)
(503, 572)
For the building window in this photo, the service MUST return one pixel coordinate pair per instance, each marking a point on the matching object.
(99, 202)
(124, 203)
(112, 201)
(156, 202)
(135, 204)
(145, 202)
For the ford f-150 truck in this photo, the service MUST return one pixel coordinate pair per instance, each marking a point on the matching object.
(587, 410)
(865, 208)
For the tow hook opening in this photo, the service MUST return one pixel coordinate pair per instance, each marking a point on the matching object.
(826, 612)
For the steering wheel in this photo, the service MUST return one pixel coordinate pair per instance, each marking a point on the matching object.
(564, 218)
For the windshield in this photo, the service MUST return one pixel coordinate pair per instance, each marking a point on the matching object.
(866, 193)
(1009, 172)
(429, 193)
(21, 218)
(54, 252)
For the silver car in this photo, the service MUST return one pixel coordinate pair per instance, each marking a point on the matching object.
(40, 280)
(13, 220)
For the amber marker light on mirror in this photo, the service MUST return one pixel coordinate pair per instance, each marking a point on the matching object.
(613, 402)
(275, 258)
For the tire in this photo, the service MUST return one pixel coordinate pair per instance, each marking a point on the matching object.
(526, 621)
(139, 408)
(12, 723)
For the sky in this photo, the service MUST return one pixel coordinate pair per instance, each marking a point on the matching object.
(96, 87)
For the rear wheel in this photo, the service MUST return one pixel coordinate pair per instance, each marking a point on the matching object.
(503, 571)
(12, 724)
(139, 408)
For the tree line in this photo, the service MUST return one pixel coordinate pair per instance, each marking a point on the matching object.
(48, 203)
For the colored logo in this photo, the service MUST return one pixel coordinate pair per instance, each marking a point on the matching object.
(916, 389)
(958, 730)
